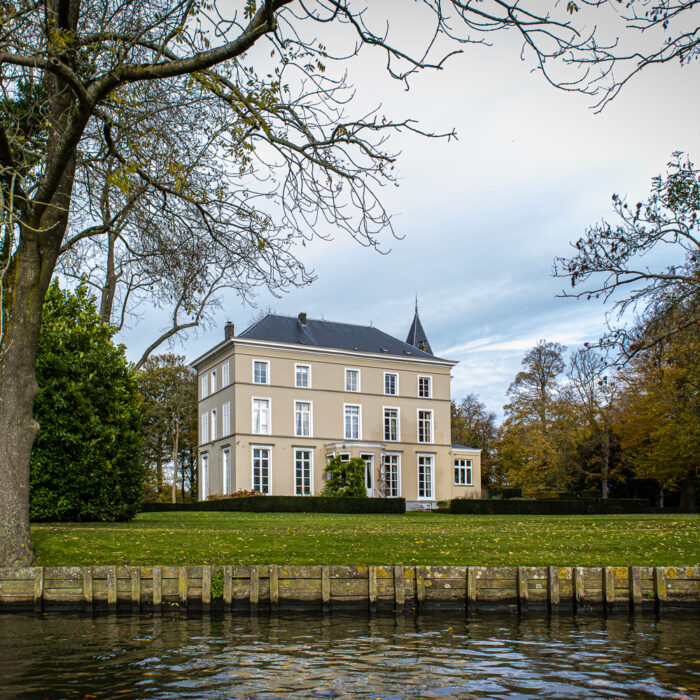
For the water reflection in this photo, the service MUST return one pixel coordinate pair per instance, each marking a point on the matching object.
(59, 655)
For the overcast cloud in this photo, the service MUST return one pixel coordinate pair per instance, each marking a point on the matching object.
(483, 217)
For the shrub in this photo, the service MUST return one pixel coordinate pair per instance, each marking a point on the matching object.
(286, 504)
(241, 493)
(559, 506)
(346, 479)
(86, 461)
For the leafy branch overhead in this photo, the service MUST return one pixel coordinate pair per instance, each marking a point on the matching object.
(625, 261)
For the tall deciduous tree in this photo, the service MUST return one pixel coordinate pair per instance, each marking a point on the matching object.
(659, 420)
(474, 425)
(591, 396)
(528, 443)
(169, 388)
(86, 462)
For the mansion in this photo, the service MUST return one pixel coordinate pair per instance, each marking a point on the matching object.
(278, 400)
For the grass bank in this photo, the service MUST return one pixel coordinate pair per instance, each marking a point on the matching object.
(413, 538)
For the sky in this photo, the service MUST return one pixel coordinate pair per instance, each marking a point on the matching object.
(482, 217)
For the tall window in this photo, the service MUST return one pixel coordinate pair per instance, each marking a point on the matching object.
(213, 424)
(205, 386)
(352, 422)
(391, 384)
(224, 374)
(425, 476)
(391, 424)
(205, 476)
(226, 469)
(463, 472)
(302, 376)
(205, 429)
(261, 416)
(261, 372)
(425, 426)
(213, 381)
(425, 387)
(391, 475)
(226, 419)
(352, 380)
(261, 470)
(302, 418)
(302, 472)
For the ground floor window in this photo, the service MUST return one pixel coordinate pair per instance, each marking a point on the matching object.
(303, 461)
(261, 470)
(463, 472)
(391, 475)
(226, 469)
(425, 476)
(205, 476)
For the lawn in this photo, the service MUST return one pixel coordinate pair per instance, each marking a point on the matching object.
(413, 538)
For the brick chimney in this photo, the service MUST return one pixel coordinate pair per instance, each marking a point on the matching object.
(229, 331)
(302, 318)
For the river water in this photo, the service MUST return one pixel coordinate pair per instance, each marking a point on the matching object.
(57, 655)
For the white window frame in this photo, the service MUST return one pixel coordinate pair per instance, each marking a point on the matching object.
(204, 384)
(226, 455)
(296, 368)
(398, 423)
(204, 428)
(268, 448)
(225, 374)
(226, 419)
(253, 399)
(344, 456)
(359, 379)
(430, 457)
(430, 386)
(396, 385)
(311, 471)
(432, 427)
(465, 470)
(311, 418)
(213, 382)
(267, 370)
(213, 425)
(204, 476)
(359, 420)
(398, 471)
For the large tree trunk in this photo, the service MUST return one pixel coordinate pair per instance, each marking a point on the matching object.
(688, 495)
(26, 284)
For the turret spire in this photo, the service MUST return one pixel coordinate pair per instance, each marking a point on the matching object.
(416, 335)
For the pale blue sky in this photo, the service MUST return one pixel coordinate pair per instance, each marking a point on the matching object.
(482, 217)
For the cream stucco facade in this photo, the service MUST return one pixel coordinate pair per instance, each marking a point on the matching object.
(271, 413)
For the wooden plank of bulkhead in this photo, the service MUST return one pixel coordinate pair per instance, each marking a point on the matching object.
(372, 584)
(157, 587)
(38, 588)
(399, 589)
(136, 587)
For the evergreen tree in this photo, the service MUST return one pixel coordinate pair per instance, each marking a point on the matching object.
(86, 462)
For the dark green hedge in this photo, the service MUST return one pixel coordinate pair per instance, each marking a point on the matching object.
(286, 504)
(558, 506)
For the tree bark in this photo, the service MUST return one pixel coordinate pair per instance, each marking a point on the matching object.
(688, 502)
(176, 438)
(26, 285)
(606, 462)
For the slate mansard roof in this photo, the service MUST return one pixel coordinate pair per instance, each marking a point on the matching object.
(329, 334)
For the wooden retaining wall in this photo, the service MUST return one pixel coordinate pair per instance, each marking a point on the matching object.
(557, 588)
